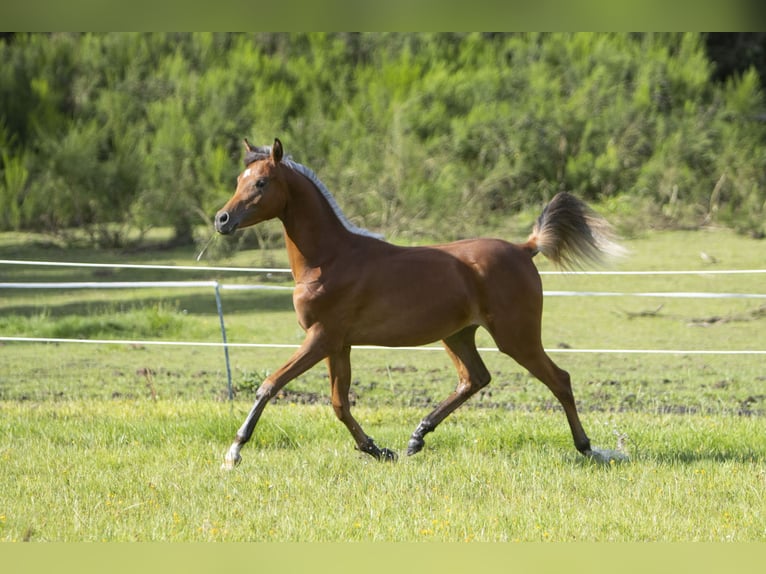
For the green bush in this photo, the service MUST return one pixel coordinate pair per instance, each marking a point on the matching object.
(433, 135)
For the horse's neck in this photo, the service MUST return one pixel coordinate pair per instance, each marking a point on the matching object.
(313, 233)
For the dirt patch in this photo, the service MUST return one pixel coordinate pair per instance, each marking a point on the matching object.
(286, 396)
(749, 407)
(752, 315)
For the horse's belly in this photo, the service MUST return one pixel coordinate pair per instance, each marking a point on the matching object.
(413, 317)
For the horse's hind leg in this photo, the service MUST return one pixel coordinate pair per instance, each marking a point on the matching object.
(473, 375)
(536, 361)
(339, 366)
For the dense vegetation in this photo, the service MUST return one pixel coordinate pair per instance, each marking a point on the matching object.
(114, 132)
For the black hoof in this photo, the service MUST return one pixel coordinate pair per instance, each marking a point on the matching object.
(379, 453)
(387, 455)
(415, 445)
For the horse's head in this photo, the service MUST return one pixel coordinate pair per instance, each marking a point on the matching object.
(261, 190)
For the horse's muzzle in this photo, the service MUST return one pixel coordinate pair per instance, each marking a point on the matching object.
(224, 224)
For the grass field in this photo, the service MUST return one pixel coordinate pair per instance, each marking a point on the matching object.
(124, 442)
(126, 470)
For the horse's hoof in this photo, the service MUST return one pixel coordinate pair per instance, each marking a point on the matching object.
(231, 463)
(388, 455)
(415, 445)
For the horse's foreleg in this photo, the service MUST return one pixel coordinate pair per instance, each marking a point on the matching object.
(244, 433)
(308, 355)
(473, 375)
(339, 366)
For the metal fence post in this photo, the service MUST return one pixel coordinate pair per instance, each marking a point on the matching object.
(223, 334)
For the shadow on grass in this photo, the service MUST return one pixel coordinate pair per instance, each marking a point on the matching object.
(685, 457)
(202, 303)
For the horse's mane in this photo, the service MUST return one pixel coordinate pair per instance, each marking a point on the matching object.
(264, 152)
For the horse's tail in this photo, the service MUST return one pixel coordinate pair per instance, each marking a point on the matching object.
(570, 233)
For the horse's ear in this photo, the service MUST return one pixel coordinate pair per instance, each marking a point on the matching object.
(277, 151)
(248, 146)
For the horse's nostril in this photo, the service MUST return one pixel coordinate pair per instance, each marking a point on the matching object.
(222, 222)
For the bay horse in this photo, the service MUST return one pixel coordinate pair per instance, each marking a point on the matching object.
(353, 288)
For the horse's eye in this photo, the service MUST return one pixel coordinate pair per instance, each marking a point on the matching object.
(261, 183)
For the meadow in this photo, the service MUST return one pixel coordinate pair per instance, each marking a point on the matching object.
(122, 442)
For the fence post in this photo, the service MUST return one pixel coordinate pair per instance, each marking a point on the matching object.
(223, 334)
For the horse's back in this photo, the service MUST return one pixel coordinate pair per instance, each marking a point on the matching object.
(497, 263)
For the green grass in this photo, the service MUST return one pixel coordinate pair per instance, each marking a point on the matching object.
(124, 442)
(155, 321)
(142, 470)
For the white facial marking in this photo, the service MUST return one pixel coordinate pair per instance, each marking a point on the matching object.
(246, 173)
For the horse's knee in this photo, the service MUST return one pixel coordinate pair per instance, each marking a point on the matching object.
(469, 387)
(482, 379)
(265, 391)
